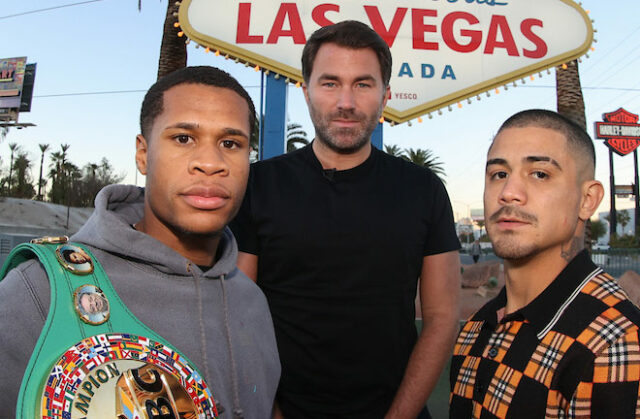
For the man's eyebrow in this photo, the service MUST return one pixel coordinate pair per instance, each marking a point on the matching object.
(235, 131)
(534, 159)
(496, 161)
(183, 125)
(194, 125)
(368, 77)
(327, 76)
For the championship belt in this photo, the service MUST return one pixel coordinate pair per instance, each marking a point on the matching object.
(94, 358)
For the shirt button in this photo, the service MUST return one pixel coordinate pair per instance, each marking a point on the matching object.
(493, 352)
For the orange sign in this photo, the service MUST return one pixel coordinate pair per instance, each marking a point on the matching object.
(620, 130)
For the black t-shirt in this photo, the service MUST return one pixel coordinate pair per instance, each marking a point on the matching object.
(339, 255)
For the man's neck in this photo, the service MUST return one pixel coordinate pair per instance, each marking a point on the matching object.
(525, 279)
(199, 249)
(330, 159)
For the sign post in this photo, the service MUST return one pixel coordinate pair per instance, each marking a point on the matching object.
(636, 193)
(621, 133)
(613, 214)
(274, 125)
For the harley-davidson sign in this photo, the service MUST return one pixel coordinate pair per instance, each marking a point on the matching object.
(620, 130)
(443, 50)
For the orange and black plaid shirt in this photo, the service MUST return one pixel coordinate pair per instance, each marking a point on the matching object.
(573, 352)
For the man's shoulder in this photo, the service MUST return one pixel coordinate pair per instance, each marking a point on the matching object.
(403, 163)
(283, 160)
(604, 288)
(295, 167)
(612, 316)
(28, 271)
(408, 174)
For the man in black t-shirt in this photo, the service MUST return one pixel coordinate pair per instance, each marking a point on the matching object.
(337, 234)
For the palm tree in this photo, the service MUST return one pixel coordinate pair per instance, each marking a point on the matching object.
(13, 147)
(598, 229)
(480, 223)
(23, 188)
(173, 50)
(64, 148)
(622, 218)
(65, 174)
(394, 150)
(56, 174)
(43, 149)
(570, 103)
(425, 158)
(92, 185)
(296, 135)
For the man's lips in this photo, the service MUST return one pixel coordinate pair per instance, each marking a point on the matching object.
(508, 218)
(345, 121)
(206, 197)
(508, 223)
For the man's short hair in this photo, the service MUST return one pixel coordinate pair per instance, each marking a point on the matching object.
(577, 138)
(349, 34)
(152, 105)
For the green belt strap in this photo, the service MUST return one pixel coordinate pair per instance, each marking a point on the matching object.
(63, 328)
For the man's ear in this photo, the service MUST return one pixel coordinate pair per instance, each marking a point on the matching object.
(592, 193)
(305, 92)
(141, 154)
(387, 96)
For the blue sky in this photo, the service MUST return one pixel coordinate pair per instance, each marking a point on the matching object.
(87, 50)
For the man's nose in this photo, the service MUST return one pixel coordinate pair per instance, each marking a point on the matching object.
(208, 160)
(346, 99)
(513, 190)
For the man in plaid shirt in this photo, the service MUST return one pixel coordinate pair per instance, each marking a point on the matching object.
(561, 339)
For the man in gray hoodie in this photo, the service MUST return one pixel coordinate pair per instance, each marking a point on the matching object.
(166, 248)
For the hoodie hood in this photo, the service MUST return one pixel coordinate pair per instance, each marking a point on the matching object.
(117, 208)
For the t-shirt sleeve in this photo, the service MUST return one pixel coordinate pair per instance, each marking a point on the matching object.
(243, 225)
(442, 230)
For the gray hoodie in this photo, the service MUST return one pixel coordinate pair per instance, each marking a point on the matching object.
(169, 294)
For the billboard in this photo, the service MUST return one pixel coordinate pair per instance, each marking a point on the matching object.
(443, 50)
(27, 87)
(12, 76)
(11, 81)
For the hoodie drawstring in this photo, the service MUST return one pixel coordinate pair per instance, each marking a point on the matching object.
(203, 339)
(237, 410)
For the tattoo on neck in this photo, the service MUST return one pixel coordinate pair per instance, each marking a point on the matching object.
(575, 246)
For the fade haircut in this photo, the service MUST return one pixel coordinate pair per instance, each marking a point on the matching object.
(152, 105)
(349, 34)
(577, 138)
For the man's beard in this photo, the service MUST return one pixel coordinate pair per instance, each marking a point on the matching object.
(508, 245)
(510, 248)
(343, 140)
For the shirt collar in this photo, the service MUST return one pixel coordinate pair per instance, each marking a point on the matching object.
(363, 169)
(543, 312)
